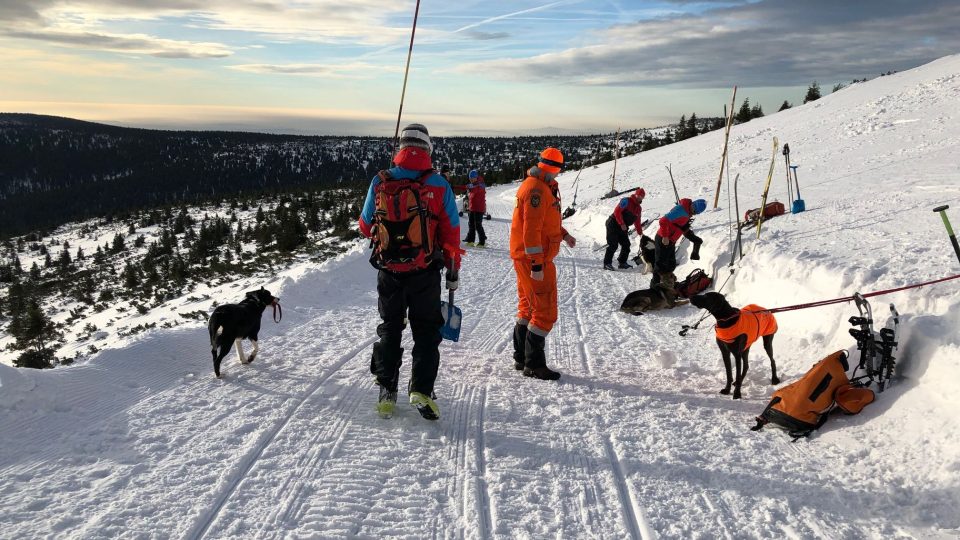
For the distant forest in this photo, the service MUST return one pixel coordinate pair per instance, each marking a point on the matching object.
(57, 170)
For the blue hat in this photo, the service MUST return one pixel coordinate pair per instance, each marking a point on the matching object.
(699, 206)
(473, 174)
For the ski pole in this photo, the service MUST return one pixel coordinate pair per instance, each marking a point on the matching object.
(675, 192)
(946, 223)
(406, 72)
(786, 157)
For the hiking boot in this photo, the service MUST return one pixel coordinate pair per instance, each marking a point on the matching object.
(624, 266)
(481, 244)
(471, 244)
(387, 403)
(543, 373)
(425, 406)
(608, 266)
(518, 365)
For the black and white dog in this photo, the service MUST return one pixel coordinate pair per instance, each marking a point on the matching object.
(231, 323)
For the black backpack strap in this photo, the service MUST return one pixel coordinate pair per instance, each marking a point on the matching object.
(762, 419)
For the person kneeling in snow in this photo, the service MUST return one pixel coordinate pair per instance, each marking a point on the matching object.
(672, 226)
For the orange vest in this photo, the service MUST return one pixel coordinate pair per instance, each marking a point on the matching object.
(753, 321)
(536, 232)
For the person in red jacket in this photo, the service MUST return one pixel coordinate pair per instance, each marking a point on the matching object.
(672, 226)
(477, 207)
(626, 213)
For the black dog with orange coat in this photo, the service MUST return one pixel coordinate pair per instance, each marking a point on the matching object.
(737, 330)
(231, 323)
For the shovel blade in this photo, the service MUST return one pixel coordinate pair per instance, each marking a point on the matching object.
(798, 206)
(452, 315)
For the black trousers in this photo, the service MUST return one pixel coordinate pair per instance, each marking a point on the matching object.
(616, 237)
(475, 230)
(416, 297)
(666, 259)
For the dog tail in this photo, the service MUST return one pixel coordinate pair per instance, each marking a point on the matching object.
(215, 329)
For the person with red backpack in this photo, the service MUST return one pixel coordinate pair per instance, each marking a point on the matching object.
(410, 214)
(477, 207)
(672, 226)
(626, 213)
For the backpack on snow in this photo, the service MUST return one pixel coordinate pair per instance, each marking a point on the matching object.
(803, 406)
(695, 282)
(403, 227)
(772, 209)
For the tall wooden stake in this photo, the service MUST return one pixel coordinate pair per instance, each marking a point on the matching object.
(726, 140)
(616, 154)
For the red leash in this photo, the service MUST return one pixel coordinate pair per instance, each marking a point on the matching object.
(867, 295)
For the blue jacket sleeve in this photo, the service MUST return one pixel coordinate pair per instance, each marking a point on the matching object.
(369, 207)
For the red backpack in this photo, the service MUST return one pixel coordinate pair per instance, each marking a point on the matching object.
(403, 226)
(696, 282)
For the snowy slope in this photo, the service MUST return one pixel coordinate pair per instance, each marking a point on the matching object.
(633, 442)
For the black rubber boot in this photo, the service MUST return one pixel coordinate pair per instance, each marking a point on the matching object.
(519, 345)
(536, 359)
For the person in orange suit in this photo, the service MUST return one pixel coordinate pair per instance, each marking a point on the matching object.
(535, 236)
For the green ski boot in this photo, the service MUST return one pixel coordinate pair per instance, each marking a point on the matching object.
(387, 403)
(425, 406)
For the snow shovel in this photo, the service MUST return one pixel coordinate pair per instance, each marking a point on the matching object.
(798, 205)
(451, 320)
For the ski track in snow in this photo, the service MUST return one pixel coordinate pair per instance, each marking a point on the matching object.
(632, 442)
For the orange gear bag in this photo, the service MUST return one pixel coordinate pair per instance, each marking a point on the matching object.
(802, 406)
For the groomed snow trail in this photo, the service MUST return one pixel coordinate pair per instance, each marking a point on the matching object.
(632, 442)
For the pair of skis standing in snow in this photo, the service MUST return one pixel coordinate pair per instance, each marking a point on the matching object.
(410, 215)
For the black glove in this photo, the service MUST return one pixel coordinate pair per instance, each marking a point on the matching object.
(695, 254)
(693, 238)
(453, 279)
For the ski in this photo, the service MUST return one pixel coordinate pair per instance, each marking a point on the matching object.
(766, 187)
(613, 194)
(675, 192)
(726, 140)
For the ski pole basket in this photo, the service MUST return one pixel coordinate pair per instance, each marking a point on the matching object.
(876, 348)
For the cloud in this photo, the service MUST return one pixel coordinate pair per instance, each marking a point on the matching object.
(127, 43)
(356, 69)
(768, 43)
(94, 24)
(487, 36)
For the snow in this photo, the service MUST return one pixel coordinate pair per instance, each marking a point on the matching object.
(632, 442)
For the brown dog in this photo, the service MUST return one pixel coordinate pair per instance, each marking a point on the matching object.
(660, 296)
(737, 330)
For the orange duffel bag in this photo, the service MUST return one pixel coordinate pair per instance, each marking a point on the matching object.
(802, 406)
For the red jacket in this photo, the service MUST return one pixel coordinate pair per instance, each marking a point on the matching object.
(628, 213)
(477, 196)
(676, 221)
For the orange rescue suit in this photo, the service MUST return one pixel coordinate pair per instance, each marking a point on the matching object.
(754, 321)
(535, 236)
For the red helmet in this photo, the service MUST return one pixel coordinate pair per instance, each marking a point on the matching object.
(640, 194)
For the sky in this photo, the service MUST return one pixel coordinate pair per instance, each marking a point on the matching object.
(484, 67)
